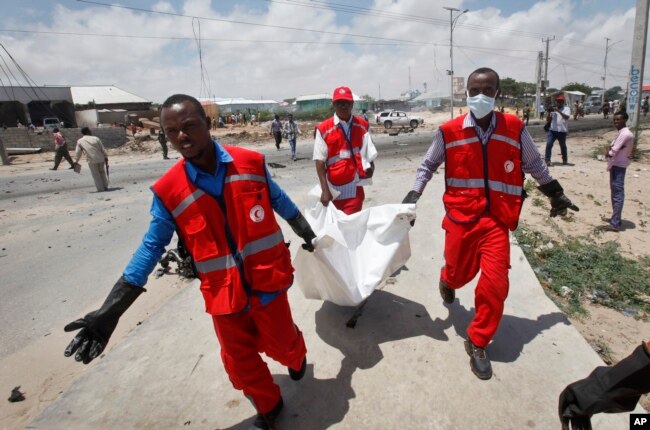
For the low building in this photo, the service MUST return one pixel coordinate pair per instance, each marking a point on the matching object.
(315, 101)
(428, 100)
(235, 105)
(108, 104)
(20, 106)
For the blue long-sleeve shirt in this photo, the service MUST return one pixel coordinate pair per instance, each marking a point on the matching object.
(162, 225)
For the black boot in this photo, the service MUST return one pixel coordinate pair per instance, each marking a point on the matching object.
(478, 360)
(297, 375)
(448, 294)
(267, 421)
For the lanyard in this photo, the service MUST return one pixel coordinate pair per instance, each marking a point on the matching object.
(349, 141)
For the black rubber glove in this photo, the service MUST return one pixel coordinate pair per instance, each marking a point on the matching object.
(559, 202)
(607, 389)
(302, 228)
(412, 197)
(97, 326)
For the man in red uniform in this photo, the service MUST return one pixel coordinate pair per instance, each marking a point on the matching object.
(344, 155)
(486, 154)
(221, 202)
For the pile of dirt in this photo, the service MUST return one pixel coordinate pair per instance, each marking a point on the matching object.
(146, 146)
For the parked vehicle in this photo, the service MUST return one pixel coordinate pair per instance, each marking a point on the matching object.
(51, 123)
(399, 118)
(592, 107)
(379, 118)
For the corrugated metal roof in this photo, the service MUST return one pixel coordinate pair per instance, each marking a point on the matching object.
(102, 95)
(429, 96)
(314, 97)
(323, 97)
(229, 102)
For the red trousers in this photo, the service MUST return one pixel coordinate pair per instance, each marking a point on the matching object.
(244, 335)
(482, 245)
(353, 205)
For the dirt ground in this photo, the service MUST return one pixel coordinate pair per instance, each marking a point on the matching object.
(585, 181)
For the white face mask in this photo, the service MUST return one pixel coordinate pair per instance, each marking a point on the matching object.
(480, 105)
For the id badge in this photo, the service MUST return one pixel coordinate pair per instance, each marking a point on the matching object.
(344, 153)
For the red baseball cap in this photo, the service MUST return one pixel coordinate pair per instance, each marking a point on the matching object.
(342, 93)
(560, 97)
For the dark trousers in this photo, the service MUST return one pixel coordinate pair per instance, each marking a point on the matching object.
(617, 186)
(163, 144)
(278, 138)
(62, 152)
(551, 137)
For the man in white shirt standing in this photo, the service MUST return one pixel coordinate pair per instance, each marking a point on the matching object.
(96, 156)
(344, 155)
(559, 129)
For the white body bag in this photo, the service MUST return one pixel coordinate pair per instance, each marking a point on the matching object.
(354, 253)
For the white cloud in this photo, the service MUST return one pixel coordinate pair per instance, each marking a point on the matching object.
(155, 68)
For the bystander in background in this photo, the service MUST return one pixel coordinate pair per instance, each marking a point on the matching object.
(61, 149)
(96, 156)
(618, 158)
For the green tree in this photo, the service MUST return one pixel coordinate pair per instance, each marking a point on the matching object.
(528, 88)
(509, 87)
(577, 86)
(613, 93)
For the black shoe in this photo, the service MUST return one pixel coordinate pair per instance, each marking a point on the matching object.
(267, 421)
(52, 168)
(71, 167)
(448, 295)
(610, 227)
(478, 360)
(297, 375)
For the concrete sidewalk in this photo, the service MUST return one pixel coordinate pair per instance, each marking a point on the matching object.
(402, 367)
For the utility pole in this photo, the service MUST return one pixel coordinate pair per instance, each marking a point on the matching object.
(3, 154)
(450, 72)
(602, 97)
(379, 86)
(635, 79)
(545, 83)
(538, 79)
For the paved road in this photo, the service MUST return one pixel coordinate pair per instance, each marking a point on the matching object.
(69, 236)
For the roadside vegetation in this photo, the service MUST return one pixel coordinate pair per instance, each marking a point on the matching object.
(576, 270)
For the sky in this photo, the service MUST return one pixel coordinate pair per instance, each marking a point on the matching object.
(281, 49)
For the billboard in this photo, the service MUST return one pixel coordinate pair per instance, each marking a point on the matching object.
(458, 87)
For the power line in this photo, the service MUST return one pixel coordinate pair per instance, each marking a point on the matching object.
(282, 27)
(315, 4)
(214, 39)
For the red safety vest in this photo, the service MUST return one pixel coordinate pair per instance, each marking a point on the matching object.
(260, 250)
(343, 157)
(483, 178)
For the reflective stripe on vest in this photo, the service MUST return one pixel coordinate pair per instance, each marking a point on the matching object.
(501, 187)
(198, 192)
(328, 131)
(462, 142)
(187, 201)
(337, 157)
(228, 261)
(504, 188)
(245, 177)
(506, 139)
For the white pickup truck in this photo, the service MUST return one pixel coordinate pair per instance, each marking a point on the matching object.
(398, 118)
